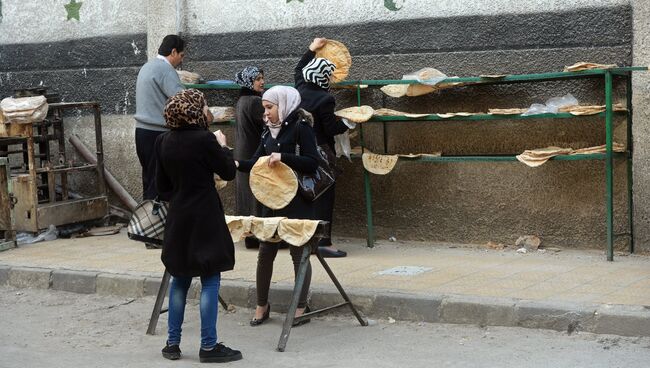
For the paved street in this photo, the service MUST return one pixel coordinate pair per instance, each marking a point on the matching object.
(46, 328)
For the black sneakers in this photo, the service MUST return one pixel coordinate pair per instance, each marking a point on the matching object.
(220, 354)
(171, 352)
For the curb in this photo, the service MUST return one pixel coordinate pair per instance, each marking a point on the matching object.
(624, 320)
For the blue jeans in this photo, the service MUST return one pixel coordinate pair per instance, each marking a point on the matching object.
(209, 307)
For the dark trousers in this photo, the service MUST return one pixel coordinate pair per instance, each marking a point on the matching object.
(265, 259)
(144, 142)
(325, 212)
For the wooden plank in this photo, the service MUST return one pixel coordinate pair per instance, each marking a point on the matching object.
(69, 212)
(24, 190)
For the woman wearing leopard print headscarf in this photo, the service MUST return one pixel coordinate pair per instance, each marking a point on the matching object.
(197, 241)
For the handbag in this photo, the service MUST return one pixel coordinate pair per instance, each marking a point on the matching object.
(311, 186)
(147, 223)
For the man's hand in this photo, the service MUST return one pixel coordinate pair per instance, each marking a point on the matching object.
(317, 44)
(275, 157)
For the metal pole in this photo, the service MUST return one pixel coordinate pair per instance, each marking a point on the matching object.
(119, 190)
(370, 237)
(609, 162)
(629, 158)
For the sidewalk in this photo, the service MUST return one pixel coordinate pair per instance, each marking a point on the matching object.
(569, 290)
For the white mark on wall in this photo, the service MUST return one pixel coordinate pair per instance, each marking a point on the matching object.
(117, 107)
(126, 102)
(1, 82)
(136, 50)
(84, 73)
(41, 83)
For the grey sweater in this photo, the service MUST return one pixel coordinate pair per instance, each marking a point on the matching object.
(157, 81)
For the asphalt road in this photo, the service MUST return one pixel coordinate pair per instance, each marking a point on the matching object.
(45, 328)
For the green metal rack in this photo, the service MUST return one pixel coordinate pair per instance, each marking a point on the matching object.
(609, 155)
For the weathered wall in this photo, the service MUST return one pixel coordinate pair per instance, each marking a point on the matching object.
(98, 57)
(641, 131)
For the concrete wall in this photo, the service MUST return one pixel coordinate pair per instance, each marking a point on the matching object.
(561, 202)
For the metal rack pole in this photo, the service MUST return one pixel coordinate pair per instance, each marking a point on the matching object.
(630, 173)
(609, 163)
(370, 237)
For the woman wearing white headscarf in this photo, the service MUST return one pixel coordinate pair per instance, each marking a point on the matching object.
(286, 126)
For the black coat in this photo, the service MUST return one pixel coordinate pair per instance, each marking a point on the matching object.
(306, 162)
(197, 241)
(250, 125)
(320, 103)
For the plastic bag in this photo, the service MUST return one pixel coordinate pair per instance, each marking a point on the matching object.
(342, 145)
(26, 238)
(552, 105)
(428, 76)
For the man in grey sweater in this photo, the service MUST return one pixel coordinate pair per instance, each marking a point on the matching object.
(157, 81)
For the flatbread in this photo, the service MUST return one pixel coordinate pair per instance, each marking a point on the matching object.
(379, 164)
(239, 227)
(356, 114)
(265, 228)
(539, 156)
(513, 111)
(492, 76)
(275, 186)
(390, 112)
(297, 232)
(419, 89)
(337, 53)
(188, 77)
(395, 90)
(219, 183)
(222, 114)
(419, 155)
(579, 66)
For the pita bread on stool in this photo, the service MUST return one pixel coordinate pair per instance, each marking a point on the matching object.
(275, 186)
(297, 232)
(265, 228)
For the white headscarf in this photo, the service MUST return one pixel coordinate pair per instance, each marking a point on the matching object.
(287, 99)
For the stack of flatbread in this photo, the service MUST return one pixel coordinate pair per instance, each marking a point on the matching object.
(337, 53)
(389, 112)
(616, 147)
(275, 186)
(587, 66)
(514, 111)
(447, 115)
(538, 157)
(24, 110)
(222, 114)
(187, 77)
(590, 110)
(356, 114)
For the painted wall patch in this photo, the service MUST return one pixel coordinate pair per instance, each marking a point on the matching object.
(73, 9)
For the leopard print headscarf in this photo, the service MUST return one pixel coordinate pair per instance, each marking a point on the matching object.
(186, 108)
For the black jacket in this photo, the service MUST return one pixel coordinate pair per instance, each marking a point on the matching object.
(306, 162)
(197, 240)
(320, 103)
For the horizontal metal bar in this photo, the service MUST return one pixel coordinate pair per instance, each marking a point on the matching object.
(434, 117)
(320, 311)
(623, 71)
(66, 169)
(592, 156)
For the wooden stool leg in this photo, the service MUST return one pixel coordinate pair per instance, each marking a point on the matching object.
(300, 280)
(327, 268)
(162, 291)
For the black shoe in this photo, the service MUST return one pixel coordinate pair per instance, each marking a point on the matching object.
(171, 352)
(220, 354)
(256, 322)
(327, 252)
(304, 321)
(251, 242)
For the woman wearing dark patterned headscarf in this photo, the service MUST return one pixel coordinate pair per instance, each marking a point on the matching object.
(197, 241)
(249, 130)
(312, 77)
